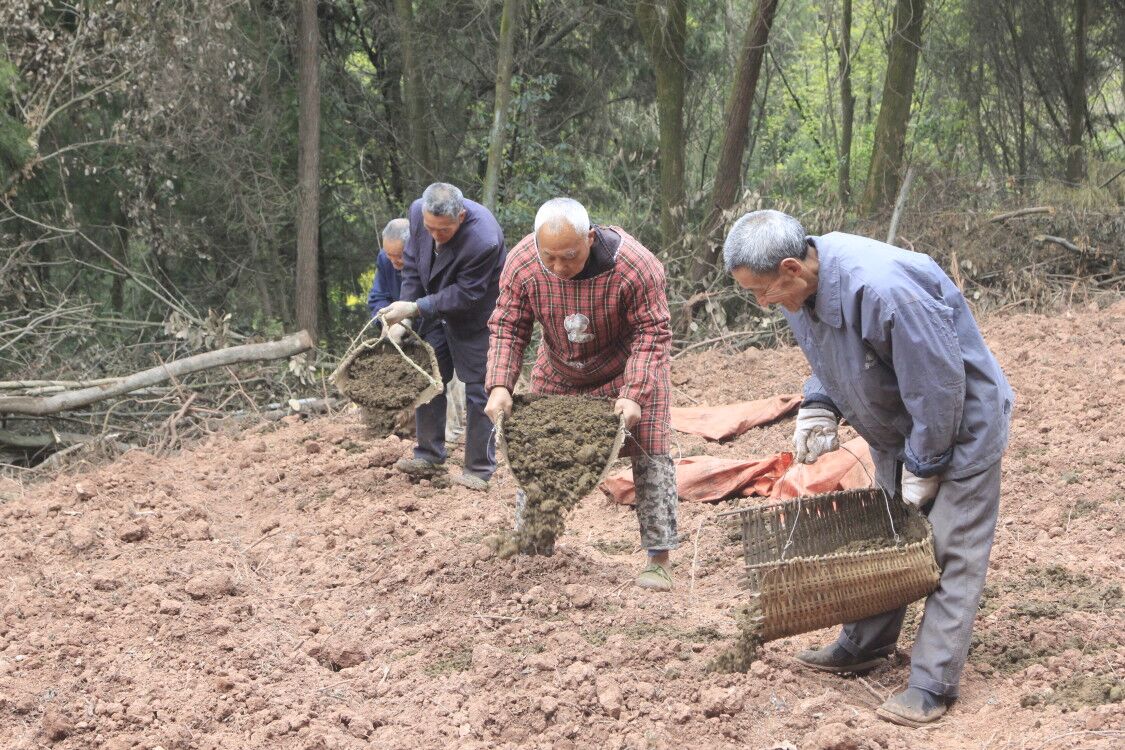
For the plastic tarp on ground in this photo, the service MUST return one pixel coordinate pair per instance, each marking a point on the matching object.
(707, 478)
(730, 420)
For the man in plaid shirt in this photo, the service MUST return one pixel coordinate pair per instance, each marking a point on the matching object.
(599, 296)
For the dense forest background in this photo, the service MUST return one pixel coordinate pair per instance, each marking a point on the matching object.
(179, 175)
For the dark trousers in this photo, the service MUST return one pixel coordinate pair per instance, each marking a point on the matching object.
(963, 516)
(429, 419)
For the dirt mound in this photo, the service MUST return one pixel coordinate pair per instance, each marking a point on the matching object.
(558, 447)
(337, 605)
(385, 384)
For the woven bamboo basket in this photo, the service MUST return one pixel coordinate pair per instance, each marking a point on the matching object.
(800, 581)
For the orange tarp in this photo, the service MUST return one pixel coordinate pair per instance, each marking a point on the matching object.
(706, 478)
(730, 420)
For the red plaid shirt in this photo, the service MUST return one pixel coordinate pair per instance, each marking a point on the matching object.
(604, 336)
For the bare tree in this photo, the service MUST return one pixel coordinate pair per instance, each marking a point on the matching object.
(728, 174)
(663, 24)
(509, 17)
(308, 165)
(413, 91)
(1076, 98)
(847, 105)
(894, 109)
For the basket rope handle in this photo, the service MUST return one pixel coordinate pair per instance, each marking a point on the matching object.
(886, 497)
(886, 502)
(412, 363)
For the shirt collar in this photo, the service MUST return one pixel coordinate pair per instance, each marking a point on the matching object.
(827, 307)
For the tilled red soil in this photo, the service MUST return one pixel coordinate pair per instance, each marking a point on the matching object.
(284, 588)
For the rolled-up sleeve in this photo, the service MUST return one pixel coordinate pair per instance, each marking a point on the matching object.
(918, 336)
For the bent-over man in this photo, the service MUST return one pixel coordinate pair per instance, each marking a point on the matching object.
(451, 277)
(895, 351)
(599, 296)
(386, 289)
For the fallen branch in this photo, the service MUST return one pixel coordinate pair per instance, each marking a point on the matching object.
(900, 204)
(286, 347)
(1058, 241)
(1022, 212)
(43, 440)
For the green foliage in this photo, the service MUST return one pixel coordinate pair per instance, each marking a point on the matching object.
(15, 151)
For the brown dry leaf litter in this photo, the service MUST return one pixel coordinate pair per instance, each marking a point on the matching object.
(363, 611)
(558, 447)
(384, 384)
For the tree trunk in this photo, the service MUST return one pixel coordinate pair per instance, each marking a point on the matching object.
(847, 106)
(728, 173)
(308, 165)
(663, 24)
(1076, 101)
(509, 18)
(286, 347)
(420, 158)
(894, 110)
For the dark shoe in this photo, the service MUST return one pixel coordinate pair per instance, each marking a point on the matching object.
(913, 707)
(416, 466)
(836, 659)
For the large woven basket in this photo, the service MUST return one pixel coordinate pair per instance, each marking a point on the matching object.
(798, 579)
(342, 381)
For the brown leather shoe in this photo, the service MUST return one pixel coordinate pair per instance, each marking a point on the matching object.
(913, 707)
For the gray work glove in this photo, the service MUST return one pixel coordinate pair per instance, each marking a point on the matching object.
(815, 434)
(918, 491)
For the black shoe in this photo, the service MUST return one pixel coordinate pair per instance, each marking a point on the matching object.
(836, 659)
(913, 707)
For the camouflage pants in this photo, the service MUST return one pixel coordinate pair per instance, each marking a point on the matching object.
(657, 501)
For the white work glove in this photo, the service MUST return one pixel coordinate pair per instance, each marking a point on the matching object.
(815, 434)
(918, 491)
(396, 332)
(396, 312)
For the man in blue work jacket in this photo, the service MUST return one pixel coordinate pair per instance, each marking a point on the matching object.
(387, 286)
(895, 351)
(450, 282)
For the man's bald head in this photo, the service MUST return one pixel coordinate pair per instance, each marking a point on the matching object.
(563, 236)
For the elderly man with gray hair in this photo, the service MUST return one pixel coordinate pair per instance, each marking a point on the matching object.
(599, 296)
(895, 351)
(451, 278)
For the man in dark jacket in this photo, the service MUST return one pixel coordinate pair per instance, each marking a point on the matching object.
(451, 279)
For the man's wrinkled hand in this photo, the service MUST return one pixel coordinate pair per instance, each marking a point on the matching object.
(396, 332)
(629, 409)
(499, 404)
(396, 312)
(814, 435)
(918, 491)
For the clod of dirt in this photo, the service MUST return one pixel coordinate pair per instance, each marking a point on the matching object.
(132, 532)
(1081, 690)
(338, 653)
(209, 585)
(385, 384)
(557, 448)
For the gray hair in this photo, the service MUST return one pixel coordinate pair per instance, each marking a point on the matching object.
(760, 240)
(397, 229)
(558, 211)
(443, 199)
